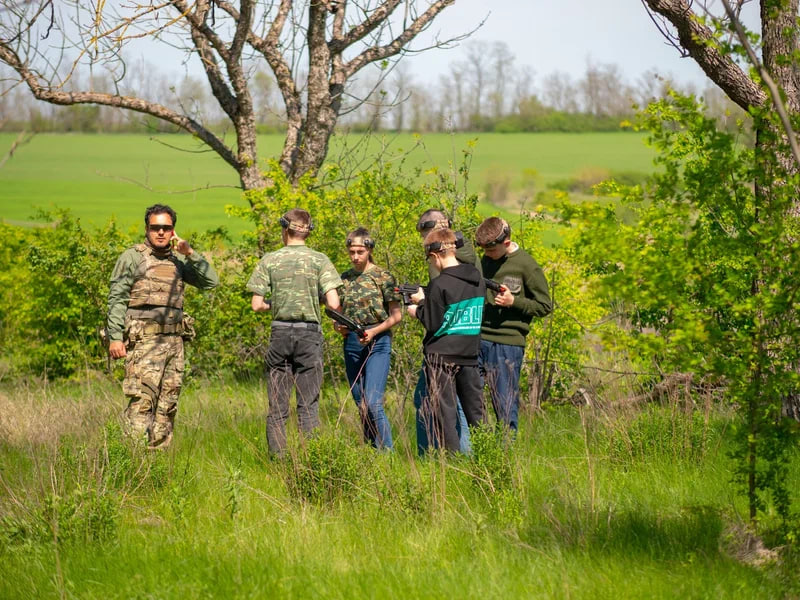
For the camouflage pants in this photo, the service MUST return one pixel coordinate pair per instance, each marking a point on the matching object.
(152, 384)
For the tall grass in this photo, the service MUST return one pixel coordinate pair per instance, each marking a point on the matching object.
(587, 502)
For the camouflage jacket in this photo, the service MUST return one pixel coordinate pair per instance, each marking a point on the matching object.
(194, 270)
(294, 278)
(366, 296)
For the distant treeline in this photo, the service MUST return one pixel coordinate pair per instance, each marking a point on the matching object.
(485, 91)
(92, 119)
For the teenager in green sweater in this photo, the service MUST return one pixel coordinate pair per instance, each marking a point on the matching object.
(507, 315)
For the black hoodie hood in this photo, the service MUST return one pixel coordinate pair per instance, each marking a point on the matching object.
(452, 314)
(465, 272)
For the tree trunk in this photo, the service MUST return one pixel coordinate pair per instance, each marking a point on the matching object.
(779, 48)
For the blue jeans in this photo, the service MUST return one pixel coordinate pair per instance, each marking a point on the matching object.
(500, 366)
(367, 371)
(424, 440)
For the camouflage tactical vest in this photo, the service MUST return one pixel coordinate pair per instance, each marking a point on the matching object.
(161, 283)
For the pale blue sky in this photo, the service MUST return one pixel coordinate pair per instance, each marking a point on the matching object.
(548, 36)
(562, 35)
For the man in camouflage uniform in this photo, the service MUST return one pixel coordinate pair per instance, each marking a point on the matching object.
(146, 322)
(295, 278)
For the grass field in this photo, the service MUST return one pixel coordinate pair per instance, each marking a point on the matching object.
(586, 504)
(100, 176)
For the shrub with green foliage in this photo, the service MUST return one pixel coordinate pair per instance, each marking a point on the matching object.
(699, 280)
(55, 283)
(385, 201)
(62, 273)
(325, 470)
(561, 344)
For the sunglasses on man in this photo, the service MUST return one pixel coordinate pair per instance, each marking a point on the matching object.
(157, 228)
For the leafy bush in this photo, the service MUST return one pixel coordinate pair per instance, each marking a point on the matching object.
(82, 516)
(699, 281)
(55, 285)
(56, 278)
(328, 469)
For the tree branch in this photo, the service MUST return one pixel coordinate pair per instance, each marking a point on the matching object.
(42, 92)
(197, 20)
(379, 53)
(762, 72)
(268, 47)
(23, 138)
(360, 31)
(143, 185)
(698, 40)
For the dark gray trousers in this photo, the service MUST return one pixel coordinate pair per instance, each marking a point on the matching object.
(447, 384)
(294, 359)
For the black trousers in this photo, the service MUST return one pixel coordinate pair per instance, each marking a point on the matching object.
(447, 384)
(294, 360)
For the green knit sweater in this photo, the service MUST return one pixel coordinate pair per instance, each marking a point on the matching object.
(521, 274)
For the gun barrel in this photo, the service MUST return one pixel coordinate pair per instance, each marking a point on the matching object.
(406, 290)
(494, 286)
(343, 319)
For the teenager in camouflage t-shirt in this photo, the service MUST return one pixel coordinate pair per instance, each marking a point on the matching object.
(294, 278)
(368, 297)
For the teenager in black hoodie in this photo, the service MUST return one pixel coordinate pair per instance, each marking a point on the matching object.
(451, 312)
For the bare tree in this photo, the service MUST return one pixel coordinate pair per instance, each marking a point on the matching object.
(604, 90)
(650, 86)
(423, 111)
(502, 67)
(476, 68)
(559, 92)
(523, 85)
(453, 109)
(46, 42)
(402, 81)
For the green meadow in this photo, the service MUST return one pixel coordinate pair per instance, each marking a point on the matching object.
(587, 503)
(601, 495)
(102, 176)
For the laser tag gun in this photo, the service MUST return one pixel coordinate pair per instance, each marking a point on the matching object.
(491, 284)
(406, 290)
(343, 319)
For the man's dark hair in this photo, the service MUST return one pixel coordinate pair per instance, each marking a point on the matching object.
(433, 218)
(159, 209)
(493, 230)
(362, 234)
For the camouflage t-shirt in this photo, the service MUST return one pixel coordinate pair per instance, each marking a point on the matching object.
(294, 278)
(365, 296)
